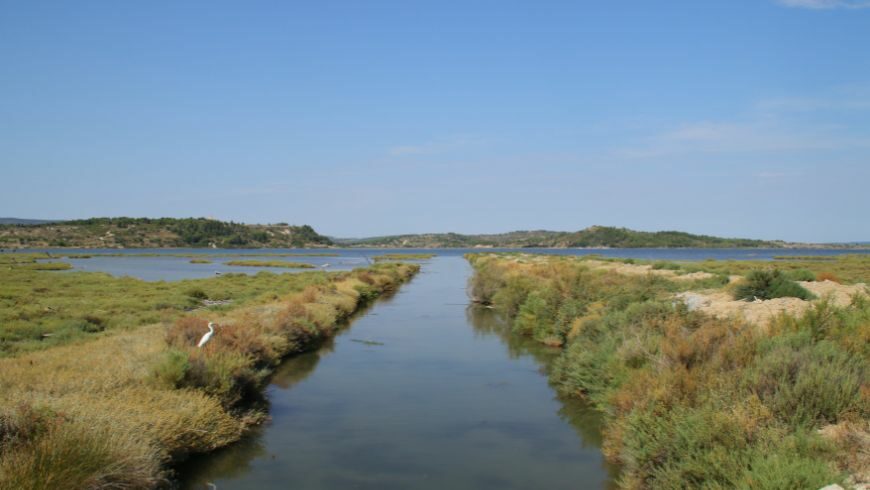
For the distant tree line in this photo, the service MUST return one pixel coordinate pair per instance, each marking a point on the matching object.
(595, 236)
(182, 232)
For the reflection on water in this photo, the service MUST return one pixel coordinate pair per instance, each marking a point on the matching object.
(583, 418)
(227, 463)
(298, 368)
(443, 396)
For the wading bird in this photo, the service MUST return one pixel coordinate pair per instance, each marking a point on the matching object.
(205, 338)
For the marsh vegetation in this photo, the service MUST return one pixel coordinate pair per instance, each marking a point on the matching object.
(692, 400)
(163, 398)
(48, 309)
(271, 263)
(403, 256)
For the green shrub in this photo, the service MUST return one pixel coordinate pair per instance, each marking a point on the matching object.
(535, 312)
(709, 447)
(510, 297)
(769, 284)
(225, 375)
(590, 366)
(673, 266)
(806, 383)
(485, 283)
(171, 370)
(800, 275)
(546, 315)
(608, 349)
(684, 447)
(789, 465)
(717, 281)
(197, 294)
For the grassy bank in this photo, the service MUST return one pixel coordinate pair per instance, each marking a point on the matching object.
(846, 269)
(46, 309)
(115, 409)
(271, 263)
(693, 401)
(401, 256)
(209, 255)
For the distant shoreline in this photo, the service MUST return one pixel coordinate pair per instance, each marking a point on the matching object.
(205, 233)
(194, 250)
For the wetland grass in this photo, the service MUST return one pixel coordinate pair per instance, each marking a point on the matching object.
(41, 309)
(690, 400)
(271, 263)
(86, 426)
(403, 256)
(849, 269)
(206, 255)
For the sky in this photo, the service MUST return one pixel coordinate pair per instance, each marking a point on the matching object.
(741, 118)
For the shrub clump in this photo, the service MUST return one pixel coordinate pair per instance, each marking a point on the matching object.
(665, 265)
(800, 275)
(769, 284)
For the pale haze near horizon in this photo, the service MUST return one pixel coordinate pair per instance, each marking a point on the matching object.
(747, 118)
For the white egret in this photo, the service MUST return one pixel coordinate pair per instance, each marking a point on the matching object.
(205, 338)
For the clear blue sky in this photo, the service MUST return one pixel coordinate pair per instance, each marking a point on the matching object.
(734, 117)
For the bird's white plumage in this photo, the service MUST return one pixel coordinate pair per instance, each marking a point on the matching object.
(205, 338)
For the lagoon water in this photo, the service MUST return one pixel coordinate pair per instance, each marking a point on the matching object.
(165, 265)
(421, 391)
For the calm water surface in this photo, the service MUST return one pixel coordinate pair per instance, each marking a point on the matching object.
(164, 267)
(445, 399)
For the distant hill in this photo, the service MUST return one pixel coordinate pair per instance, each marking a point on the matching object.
(25, 222)
(203, 232)
(592, 237)
(157, 233)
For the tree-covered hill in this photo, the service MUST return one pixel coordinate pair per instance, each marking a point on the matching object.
(158, 232)
(595, 236)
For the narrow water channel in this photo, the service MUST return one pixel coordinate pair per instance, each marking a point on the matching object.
(421, 392)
